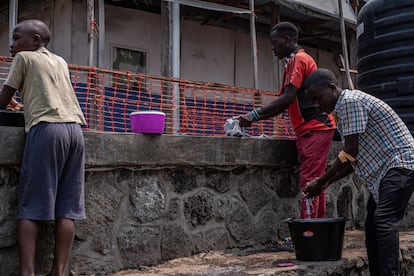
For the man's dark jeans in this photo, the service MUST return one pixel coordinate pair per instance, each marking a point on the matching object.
(383, 220)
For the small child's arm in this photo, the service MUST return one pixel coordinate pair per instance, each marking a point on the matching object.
(6, 96)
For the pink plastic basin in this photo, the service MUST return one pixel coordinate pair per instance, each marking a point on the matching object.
(149, 122)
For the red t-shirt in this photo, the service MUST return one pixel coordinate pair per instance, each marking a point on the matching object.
(303, 115)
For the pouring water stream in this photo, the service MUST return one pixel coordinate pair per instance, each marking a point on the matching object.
(308, 202)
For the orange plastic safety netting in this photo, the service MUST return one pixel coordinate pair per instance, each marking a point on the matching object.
(108, 97)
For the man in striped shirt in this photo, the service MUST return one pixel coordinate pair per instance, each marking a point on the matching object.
(379, 148)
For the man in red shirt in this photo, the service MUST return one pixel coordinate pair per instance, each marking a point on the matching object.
(314, 129)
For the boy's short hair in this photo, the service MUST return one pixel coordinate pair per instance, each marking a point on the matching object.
(286, 28)
(321, 77)
(37, 27)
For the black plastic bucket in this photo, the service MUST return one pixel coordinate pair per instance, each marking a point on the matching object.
(317, 239)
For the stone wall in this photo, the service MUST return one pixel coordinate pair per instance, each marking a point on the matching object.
(153, 198)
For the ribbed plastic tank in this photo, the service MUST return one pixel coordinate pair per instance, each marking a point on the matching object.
(385, 38)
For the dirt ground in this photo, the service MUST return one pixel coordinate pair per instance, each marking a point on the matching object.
(262, 263)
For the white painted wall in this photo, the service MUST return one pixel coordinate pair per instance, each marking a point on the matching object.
(223, 56)
(207, 53)
(244, 63)
(79, 43)
(136, 30)
(62, 26)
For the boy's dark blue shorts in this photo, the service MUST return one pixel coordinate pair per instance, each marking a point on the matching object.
(52, 173)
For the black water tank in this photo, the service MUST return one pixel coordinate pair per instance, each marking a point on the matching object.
(385, 37)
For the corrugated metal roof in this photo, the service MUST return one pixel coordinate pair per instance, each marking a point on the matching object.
(210, 6)
(323, 9)
(328, 8)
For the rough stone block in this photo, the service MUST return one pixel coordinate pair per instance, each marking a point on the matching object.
(254, 192)
(102, 202)
(218, 180)
(175, 242)
(216, 239)
(8, 207)
(183, 181)
(139, 245)
(265, 227)
(147, 197)
(198, 208)
(239, 221)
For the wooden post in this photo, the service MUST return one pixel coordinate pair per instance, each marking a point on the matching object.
(277, 64)
(274, 17)
(165, 39)
(254, 45)
(175, 64)
(166, 48)
(13, 15)
(344, 46)
(101, 32)
(90, 22)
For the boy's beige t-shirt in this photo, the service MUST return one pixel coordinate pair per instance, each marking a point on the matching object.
(44, 83)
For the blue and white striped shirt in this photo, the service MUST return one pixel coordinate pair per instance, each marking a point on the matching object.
(384, 141)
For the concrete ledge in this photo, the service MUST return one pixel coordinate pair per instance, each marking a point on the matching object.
(132, 149)
(129, 149)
